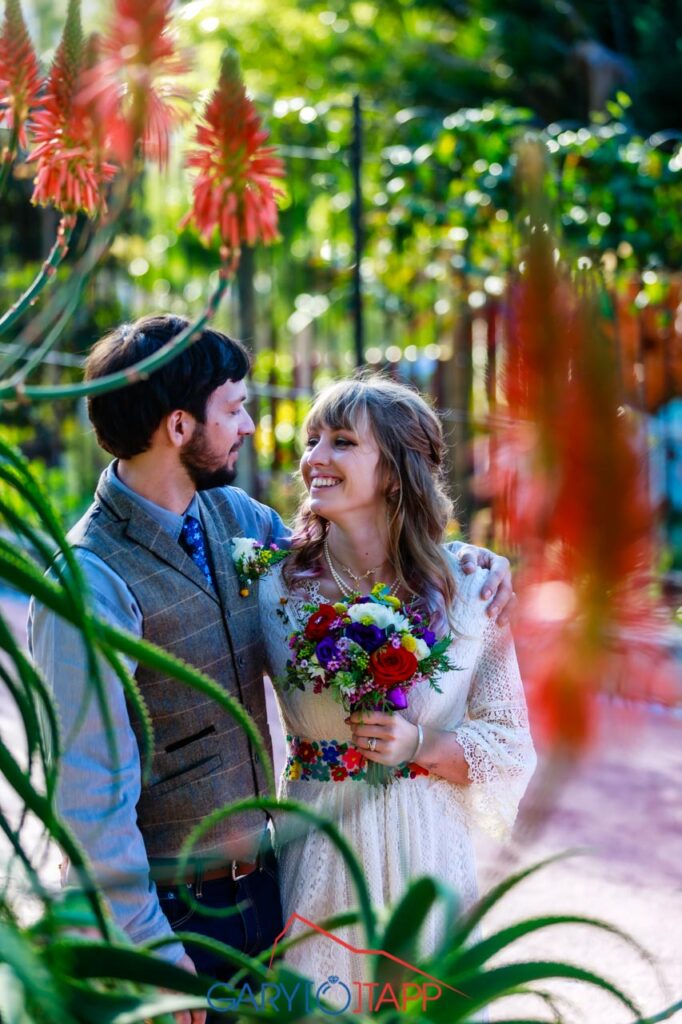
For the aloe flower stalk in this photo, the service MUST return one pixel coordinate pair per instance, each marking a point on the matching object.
(47, 271)
(233, 192)
(72, 173)
(572, 497)
(20, 80)
(17, 389)
(133, 85)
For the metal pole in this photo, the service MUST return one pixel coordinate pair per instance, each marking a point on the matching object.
(358, 236)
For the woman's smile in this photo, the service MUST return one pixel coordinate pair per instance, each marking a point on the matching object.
(318, 482)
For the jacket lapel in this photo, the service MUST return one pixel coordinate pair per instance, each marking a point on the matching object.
(144, 530)
(220, 526)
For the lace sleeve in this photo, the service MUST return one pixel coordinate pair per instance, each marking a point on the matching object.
(495, 736)
(278, 621)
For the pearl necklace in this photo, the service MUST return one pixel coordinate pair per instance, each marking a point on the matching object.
(347, 591)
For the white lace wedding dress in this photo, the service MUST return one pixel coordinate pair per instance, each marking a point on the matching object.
(414, 826)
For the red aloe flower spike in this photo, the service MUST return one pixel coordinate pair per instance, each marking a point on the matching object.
(233, 191)
(72, 173)
(570, 491)
(20, 79)
(133, 85)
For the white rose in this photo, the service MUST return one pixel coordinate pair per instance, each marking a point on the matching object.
(242, 547)
(379, 615)
(422, 650)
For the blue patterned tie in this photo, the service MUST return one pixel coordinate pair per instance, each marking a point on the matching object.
(193, 541)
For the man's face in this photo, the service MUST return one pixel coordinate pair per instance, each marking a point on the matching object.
(210, 456)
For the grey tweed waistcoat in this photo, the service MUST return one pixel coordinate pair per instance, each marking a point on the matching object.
(202, 758)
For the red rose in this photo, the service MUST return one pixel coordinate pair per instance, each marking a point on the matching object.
(318, 624)
(390, 665)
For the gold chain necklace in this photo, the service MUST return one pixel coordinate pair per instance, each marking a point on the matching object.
(340, 582)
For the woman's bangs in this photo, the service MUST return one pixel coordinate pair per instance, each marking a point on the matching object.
(341, 411)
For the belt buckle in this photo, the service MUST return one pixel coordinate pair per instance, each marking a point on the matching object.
(236, 875)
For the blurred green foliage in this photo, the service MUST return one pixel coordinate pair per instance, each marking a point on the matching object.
(447, 89)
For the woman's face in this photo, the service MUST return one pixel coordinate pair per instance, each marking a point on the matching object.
(340, 469)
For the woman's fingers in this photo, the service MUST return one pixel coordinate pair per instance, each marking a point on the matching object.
(370, 730)
(380, 719)
(504, 592)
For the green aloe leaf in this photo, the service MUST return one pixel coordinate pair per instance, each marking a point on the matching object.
(494, 895)
(98, 1007)
(245, 964)
(401, 934)
(480, 988)
(475, 956)
(80, 958)
(18, 954)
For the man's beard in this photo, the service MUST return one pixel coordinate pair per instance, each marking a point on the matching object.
(199, 460)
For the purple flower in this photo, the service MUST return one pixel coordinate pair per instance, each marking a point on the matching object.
(327, 651)
(429, 637)
(397, 698)
(368, 637)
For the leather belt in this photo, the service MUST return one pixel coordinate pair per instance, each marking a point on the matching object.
(195, 873)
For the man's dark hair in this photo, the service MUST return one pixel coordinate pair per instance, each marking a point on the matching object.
(125, 420)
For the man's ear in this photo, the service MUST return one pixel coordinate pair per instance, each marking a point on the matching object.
(179, 427)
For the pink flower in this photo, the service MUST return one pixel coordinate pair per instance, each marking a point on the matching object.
(233, 192)
(20, 80)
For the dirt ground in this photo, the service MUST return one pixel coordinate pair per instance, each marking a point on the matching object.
(623, 804)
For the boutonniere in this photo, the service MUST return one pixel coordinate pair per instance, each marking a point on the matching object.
(253, 560)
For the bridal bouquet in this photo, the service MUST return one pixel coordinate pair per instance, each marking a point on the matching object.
(368, 652)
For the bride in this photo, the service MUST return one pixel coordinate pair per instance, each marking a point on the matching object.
(376, 511)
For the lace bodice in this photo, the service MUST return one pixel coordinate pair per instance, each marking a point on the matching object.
(482, 699)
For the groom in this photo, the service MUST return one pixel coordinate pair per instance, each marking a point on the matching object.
(154, 549)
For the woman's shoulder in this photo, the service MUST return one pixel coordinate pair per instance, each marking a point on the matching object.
(469, 607)
(274, 585)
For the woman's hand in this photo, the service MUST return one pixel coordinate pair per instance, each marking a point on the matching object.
(396, 742)
(499, 581)
(396, 738)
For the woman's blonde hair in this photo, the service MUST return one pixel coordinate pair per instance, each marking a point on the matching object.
(409, 436)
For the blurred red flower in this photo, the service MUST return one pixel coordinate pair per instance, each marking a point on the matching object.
(233, 192)
(134, 85)
(72, 172)
(20, 79)
(568, 474)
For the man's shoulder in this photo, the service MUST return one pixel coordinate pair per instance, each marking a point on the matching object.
(253, 518)
(241, 502)
(82, 530)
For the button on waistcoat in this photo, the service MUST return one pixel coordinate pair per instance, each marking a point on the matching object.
(202, 758)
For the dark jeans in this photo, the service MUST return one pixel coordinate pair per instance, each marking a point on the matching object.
(253, 929)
